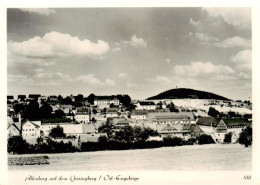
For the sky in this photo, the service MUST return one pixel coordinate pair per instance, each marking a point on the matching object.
(135, 51)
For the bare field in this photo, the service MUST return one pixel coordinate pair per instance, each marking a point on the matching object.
(197, 157)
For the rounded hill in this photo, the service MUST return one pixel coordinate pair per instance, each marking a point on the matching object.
(183, 93)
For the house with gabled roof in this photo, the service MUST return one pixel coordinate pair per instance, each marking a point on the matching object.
(10, 98)
(21, 98)
(13, 130)
(182, 131)
(82, 115)
(34, 97)
(218, 128)
(139, 114)
(106, 101)
(171, 117)
(112, 112)
(196, 131)
(145, 105)
(207, 124)
(31, 131)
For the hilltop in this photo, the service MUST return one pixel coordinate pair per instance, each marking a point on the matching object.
(183, 93)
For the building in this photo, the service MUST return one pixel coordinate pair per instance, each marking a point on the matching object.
(21, 98)
(13, 130)
(70, 129)
(112, 113)
(34, 97)
(82, 115)
(139, 114)
(53, 98)
(106, 101)
(196, 131)
(120, 123)
(145, 105)
(171, 117)
(219, 128)
(31, 130)
(10, 98)
(207, 124)
(181, 131)
(220, 132)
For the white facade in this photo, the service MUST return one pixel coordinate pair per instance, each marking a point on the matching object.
(68, 128)
(31, 130)
(105, 103)
(139, 117)
(145, 106)
(82, 117)
(13, 130)
(112, 115)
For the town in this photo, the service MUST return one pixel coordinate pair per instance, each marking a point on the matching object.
(83, 121)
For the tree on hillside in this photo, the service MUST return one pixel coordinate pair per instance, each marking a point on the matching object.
(91, 98)
(131, 107)
(67, 101)
(172, 107)
(59, 113)
(79, 97)
(245, 137)
(45, 111)
(213, 112)
(32, 111)
(125, 134)
(60, 98)
(19, 108)
(142, 134)
(57, 132)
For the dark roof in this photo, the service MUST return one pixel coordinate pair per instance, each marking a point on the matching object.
(105, 98)
(15, 126)
(186, 127)
(235, 122)
(168, 127)
(207, 121)
(139, 112)
(221, 125)
(21, 96)
(34, 95)
(82, 110)
(10, 97)
(145, 103)
(109, 110)
(53, 96)
(31, 123)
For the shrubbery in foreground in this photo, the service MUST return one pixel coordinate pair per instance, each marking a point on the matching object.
(19, 146)
(245, 137)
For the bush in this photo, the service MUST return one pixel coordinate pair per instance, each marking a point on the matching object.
(191, 141)
(205, 139)
(245, 137)
(17, 145)
(173, 141)
(228, 137)
(57, 132)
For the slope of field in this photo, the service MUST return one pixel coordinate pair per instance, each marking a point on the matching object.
(202, 105)
(196, 157)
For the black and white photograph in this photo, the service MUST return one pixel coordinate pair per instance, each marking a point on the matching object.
(94, 89)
